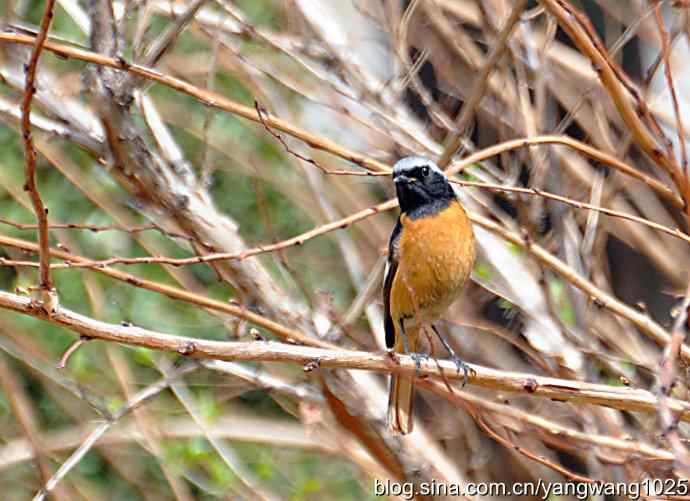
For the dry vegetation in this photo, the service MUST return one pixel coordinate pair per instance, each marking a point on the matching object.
(193, 231)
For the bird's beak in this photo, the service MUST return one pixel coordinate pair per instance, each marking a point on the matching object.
(403, 179)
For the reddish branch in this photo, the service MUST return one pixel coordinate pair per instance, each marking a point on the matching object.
(30, 152)
(95, 228)
(261, 113)
(631, 107)
(675, 232)
(228, 256)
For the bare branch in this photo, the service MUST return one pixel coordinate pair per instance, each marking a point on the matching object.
(100, 430)
(267, 351)
(48, 296)
(575, 24)
(209, 98)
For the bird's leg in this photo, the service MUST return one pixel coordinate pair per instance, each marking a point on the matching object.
(417, 357)
(466, 369)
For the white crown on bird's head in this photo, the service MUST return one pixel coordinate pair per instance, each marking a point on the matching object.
(408, 164)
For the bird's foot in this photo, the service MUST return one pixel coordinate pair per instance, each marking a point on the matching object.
(418, 358)
(466, 369)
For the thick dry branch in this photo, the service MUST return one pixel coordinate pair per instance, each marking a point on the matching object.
(46, 285)
(313, 358)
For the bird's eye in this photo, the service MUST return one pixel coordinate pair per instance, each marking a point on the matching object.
(425, 171)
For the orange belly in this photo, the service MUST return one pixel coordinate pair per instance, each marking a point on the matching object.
(435, 259)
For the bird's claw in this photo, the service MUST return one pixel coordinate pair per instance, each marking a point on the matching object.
(466, 369)
(418, 358)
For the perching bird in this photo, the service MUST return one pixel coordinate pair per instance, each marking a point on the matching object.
(430, 256)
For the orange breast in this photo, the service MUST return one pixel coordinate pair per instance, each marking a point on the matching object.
(435, 258)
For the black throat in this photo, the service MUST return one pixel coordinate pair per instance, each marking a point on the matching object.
(418, 204)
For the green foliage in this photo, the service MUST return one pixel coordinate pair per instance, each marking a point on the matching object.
(482, 271)
(560, 295)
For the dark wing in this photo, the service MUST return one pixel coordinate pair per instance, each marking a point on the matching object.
(388, 283)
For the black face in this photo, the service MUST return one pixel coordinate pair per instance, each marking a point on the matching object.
(422, 189)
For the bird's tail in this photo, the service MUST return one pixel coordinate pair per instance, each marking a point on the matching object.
(400, 404)
(401, 393)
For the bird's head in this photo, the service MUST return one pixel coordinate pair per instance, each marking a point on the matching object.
(420, 183)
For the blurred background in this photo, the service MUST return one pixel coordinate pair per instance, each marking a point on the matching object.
(129, 167)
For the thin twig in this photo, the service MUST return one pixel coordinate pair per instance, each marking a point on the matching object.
(159, 47)
(100, 430)
(580, 205)
(70, 351)
(455, 139)
(227, 256)
(95, 228)
(529, 454)
(341, 224)
(285, 333)
(261, 112)
(667, 372)
(46, 284)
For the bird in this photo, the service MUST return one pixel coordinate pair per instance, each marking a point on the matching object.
(431, 253)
